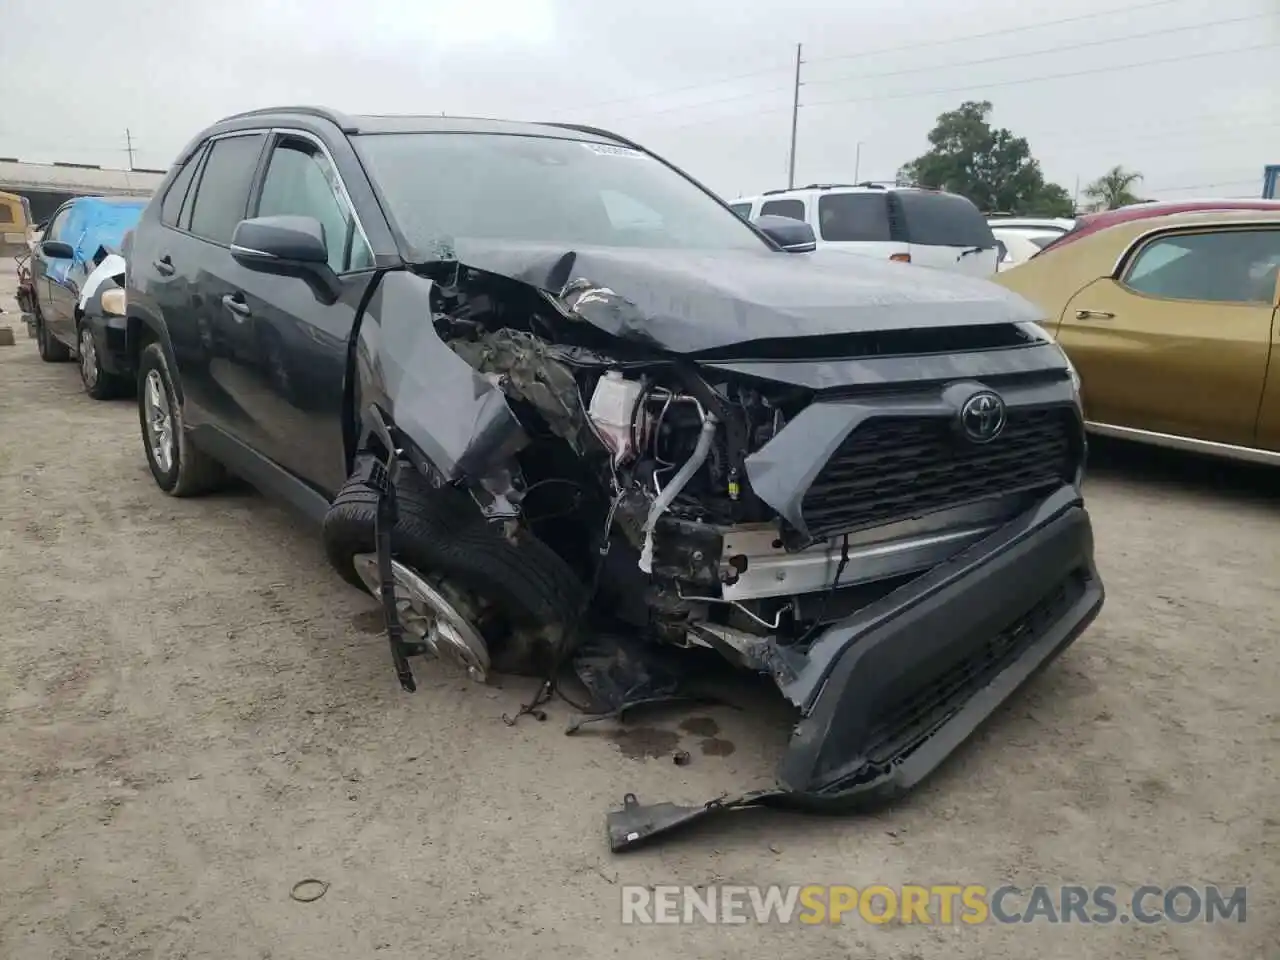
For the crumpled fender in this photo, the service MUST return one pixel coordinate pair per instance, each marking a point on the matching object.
(458, 418)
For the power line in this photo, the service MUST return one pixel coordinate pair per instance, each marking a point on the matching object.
(701, 103)
(943, 66)
(1043, 50)
(999, 33)
(1210, 186)
(981, 86)
(869, 53)
(1048, 76)
(695, 86)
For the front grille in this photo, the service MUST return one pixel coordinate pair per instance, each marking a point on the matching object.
(906, 724)
(897, 468)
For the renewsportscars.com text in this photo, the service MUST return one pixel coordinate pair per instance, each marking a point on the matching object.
(933, 904)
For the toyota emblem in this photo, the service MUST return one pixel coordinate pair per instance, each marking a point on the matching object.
(982, 417)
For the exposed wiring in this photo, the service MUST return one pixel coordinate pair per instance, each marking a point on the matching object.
(826, 597)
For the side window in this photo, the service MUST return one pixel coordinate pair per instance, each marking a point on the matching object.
(300, 181)
(172, 205)
(783, 208)
(741, 209)
(1237, 266)
(854, 217)
(223, 192)
(54, 230)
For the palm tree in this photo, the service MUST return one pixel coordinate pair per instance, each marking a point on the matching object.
(1111, 190)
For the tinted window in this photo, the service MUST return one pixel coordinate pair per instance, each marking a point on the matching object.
(854, 216)
(1044, 240)
(445, 187)
(54, 230)
(783, 208)
(741, 209)
(172, 205)
(942, 220)
(6, 213)
(300, 181)
(223, 191)
(1235, 267)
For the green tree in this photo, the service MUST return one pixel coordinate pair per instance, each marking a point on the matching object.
(989, 165)
(1112, 189)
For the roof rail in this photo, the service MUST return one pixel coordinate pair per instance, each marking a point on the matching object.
(599, 132)
(324, 113)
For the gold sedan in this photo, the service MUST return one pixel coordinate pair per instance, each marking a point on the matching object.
(1173, 323)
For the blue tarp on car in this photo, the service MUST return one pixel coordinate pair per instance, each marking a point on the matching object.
(93, 222)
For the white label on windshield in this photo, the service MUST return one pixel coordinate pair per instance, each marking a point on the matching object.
(609, 150)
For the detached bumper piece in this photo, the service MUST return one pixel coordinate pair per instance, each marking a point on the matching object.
(382, 477)
(889, 693)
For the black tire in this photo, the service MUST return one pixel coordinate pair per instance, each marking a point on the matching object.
(442, 531)
(51, 349)
(191, 471)
(98, 384)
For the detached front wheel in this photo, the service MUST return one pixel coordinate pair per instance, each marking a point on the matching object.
(460, 583)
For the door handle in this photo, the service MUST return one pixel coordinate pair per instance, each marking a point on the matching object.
(235, 303)
(164, 266)
(1094, 315)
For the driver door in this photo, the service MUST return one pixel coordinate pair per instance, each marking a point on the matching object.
(48, 276)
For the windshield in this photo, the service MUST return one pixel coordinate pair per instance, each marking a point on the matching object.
(443, 187)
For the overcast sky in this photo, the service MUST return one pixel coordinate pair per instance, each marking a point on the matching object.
(707, 83)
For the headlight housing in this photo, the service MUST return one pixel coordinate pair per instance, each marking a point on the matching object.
(1037, 332)
(113, 302)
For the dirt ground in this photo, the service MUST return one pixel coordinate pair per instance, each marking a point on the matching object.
(195, 714)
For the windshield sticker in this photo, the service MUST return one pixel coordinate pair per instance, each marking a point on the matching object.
(609, 150)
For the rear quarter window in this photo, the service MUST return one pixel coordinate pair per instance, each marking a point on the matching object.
(741, 209)
(854, 217)
(783, 208)
(942, 220)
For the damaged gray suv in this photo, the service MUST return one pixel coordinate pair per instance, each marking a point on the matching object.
(561, 410)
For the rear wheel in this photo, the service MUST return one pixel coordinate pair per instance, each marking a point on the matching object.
(180, 468)
(51, 349)
(459, 575)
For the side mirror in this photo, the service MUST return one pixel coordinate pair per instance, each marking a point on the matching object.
(793, 236)
(287, 246)
(57, 250)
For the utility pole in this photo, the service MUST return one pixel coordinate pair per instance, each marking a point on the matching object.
(857, 160)
(795, 116)
(1075, 197)
(128, 139)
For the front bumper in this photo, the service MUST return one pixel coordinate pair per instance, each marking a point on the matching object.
(887, 694)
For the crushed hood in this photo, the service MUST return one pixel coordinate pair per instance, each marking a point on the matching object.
(691, 301)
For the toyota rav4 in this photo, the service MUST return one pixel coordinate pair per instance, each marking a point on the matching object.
(558, 408)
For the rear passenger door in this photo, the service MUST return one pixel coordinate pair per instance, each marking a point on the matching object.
(195, 258)
(288, 374)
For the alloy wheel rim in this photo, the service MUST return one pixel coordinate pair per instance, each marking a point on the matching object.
(433, 613)
(88, 358)
(155, 405)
